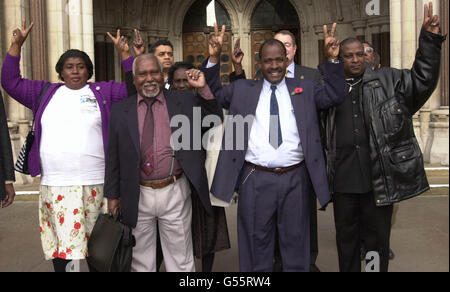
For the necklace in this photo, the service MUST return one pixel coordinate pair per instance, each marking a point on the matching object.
(352, 85)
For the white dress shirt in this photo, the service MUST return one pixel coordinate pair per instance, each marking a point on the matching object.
(291, 70)
(260, 152)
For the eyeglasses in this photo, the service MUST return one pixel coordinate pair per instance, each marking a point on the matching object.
(368, 50)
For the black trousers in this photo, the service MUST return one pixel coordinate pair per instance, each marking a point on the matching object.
(357, 220)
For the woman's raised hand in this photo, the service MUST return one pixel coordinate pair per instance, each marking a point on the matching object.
(121, 44)
(19, 37)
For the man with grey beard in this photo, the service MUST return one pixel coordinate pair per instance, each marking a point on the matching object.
(148, 180)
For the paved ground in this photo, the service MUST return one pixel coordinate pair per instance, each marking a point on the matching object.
(420, 238)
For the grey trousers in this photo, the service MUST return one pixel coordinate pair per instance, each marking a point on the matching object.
(171, 209)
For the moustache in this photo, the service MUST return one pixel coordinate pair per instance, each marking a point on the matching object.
(150, 93)
(149, 84)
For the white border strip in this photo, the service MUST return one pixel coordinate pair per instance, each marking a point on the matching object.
(27, 193)
(439, 186)
(436, 186)
(436, 168)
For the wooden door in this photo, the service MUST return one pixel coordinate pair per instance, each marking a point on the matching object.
(195, 48)
(104, 62)
(258, 38)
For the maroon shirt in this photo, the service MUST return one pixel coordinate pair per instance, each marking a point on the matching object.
(162, 133)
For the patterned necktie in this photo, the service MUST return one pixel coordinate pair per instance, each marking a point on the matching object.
(275, 136)
(147, 139)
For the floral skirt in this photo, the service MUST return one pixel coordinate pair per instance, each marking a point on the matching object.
(67, 216)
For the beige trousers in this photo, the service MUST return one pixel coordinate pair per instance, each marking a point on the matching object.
(171, 209)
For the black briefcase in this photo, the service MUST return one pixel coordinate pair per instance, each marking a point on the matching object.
(111, 245)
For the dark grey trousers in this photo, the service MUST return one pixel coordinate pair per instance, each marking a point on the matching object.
(268, 200)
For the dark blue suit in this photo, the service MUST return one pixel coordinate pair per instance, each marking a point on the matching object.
(241, 98)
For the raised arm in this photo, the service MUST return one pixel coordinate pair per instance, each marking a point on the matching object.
(332, 92)
(18, 38)
(139, 49)
(23, 90)
(216, 43)
(138, 43)
(419, 84)
(208, 103)
(237, 57)
(121, 44)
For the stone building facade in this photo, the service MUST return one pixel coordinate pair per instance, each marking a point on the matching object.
(392, 27)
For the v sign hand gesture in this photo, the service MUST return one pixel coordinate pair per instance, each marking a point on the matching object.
(331, 43)
(430, 21)
(237, 57)
(121, 44)
(216, 43)
(138, 43)
(19, 37)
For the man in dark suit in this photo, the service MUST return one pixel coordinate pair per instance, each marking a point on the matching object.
(7, 177)
(281, 160)
(301, 72)
(297, 72)
(148, 175)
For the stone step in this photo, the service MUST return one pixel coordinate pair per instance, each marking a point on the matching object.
(437, 175)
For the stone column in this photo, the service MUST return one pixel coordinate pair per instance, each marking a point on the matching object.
(409, 36)
(396, 33)
(70, 26)
(14, 12)
(177, 41)
(75, 24)
(359, 26)
(439, 125)
(87, 36)
(308, 46)
(57, 33)
(88, 28)
(39, 40)
(246, 47)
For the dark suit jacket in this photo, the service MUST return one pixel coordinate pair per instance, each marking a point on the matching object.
(123, 154)
(6, 157)
(242, 97)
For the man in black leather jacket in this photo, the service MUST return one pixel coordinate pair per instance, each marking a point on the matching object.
(373, 157)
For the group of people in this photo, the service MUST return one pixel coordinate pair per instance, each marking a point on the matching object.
(341, 134)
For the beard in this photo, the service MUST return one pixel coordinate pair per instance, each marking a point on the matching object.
(150, 93)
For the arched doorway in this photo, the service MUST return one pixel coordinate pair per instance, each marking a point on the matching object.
(269, 17)
(196, 36)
